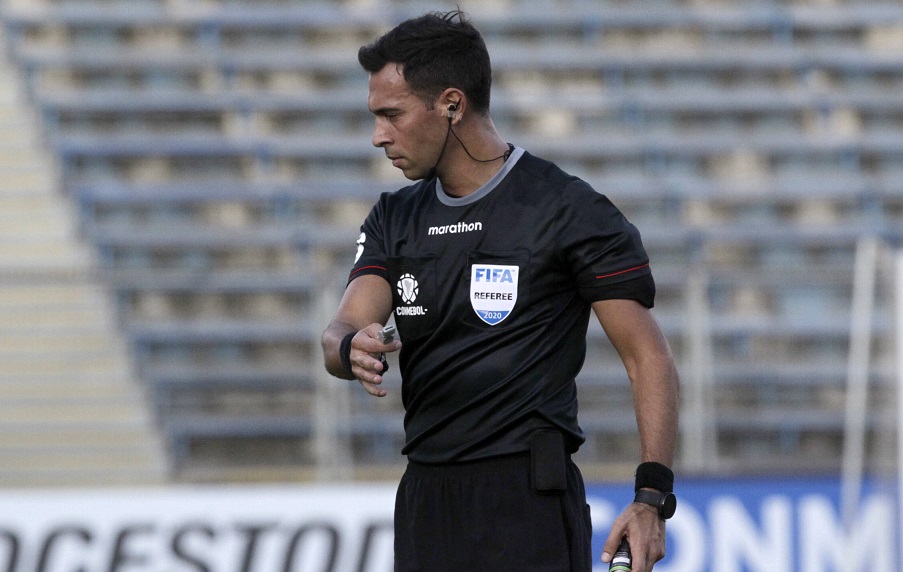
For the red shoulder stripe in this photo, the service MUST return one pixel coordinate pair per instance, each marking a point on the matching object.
(622, 271)
(368, 268)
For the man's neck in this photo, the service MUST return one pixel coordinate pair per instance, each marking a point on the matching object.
(463, 174)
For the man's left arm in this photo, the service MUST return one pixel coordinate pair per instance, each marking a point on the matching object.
(647, 357)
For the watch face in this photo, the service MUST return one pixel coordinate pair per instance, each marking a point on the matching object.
(668, 505)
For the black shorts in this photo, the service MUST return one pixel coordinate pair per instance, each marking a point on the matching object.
(485, 516)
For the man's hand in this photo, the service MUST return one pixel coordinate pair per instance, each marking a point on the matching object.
(366, 346)
(644, 530)
(367, 300)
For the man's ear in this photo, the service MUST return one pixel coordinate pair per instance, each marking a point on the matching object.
(452, 104)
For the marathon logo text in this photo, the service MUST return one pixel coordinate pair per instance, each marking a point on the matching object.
(454, 228)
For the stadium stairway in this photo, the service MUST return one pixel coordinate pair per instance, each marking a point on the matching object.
(71, 412)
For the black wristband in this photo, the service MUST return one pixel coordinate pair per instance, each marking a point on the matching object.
(345, 352)
(654, 476)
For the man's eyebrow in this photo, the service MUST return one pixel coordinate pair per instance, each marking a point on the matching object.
(384, 110)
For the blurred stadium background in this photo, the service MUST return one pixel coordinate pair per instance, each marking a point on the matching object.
(183, 181)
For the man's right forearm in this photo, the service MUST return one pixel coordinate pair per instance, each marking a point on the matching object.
(331, 342)
(367, 300)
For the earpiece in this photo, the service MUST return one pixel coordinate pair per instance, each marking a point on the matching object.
(450, 114)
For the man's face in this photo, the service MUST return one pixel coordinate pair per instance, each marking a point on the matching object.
(411, 134)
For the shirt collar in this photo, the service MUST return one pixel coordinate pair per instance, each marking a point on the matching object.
(487, 188)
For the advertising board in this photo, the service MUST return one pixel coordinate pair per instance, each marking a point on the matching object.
(740, 525)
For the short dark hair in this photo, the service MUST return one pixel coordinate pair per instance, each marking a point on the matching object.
(437, 51)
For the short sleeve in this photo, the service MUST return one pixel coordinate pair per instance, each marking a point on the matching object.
(602, 249)
(370, 257)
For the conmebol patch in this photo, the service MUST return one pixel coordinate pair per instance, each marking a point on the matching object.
(493, 291)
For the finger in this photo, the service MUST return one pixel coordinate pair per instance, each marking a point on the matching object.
(365, 365)
(611, 544)
(366, 360)
(370, 371)
(645, 553)
(376, 346)
(373, 389)
(368, 378)
(381, 367)
(373, 346)
(638, 561)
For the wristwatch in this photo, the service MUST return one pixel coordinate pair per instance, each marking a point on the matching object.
(664, 503)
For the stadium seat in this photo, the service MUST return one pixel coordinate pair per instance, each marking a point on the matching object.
(220, 158)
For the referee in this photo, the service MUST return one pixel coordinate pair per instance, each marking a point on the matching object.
(492, 263)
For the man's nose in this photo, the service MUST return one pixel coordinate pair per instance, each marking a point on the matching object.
(380, 136)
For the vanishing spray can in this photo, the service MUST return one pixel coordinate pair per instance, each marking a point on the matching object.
(621, 561)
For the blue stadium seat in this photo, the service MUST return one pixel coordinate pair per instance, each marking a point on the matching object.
(752, 143)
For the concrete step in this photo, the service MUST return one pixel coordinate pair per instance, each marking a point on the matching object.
(87, 414)
(58, 213)
(52, 246)
(63, 319)
(18, 115)
(98, 389)
(75, 389)
(52, 297)
(88, 477)
(18, 203)
(19, 133)
(49, 251)
(12, 98)
(44, 439)
(93, 460)
(28, 181)
(56, 224)
(70, 410)
(52, 342)
(100, 363)
(94, 479)
(22, 270)
(119, 371)
(40, 226)
(83, 314)
(26, 159)
(14, 203)
(112, 392)
(136, 451)
(97, 345)
(11, 93)
(96, 460)
(10, 104)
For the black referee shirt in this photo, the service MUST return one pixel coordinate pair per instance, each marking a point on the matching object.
(492, 294)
